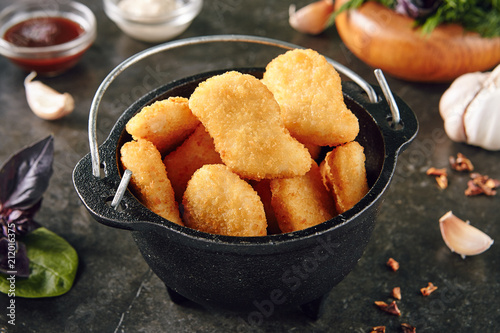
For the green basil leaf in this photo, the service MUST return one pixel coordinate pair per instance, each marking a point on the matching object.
(53, 265)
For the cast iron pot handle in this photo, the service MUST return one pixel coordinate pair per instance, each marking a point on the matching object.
(92, 125)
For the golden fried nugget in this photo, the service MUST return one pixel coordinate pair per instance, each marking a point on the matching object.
(244, 120)
(301, 202)
(344, 174)
(195, 152)
(149, 178)
(217, 201)
(314, 150)
(309, 92)
(165, 123)
(263, 189)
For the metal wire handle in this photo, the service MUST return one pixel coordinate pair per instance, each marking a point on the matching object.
(396, 119)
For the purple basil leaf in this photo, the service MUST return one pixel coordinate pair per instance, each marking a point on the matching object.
(22, 220)
(25, 176)
(17, 265)
(4, 258)
(416, 8)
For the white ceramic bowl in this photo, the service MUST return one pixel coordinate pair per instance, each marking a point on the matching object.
(150, 20)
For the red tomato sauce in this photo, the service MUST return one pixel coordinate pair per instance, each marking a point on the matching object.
(43, 31)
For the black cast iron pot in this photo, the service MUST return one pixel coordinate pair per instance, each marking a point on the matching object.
(253, 274)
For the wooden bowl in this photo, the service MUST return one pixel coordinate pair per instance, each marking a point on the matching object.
(389, 41)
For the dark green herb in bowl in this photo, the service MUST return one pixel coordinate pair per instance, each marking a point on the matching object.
(482, 17)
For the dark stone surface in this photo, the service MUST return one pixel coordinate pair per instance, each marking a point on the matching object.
(115, 291)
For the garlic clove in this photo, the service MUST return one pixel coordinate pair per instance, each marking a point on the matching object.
(46, 102)
(311, 19)
(494, 78)
(482, 118)
(461, 237)
(455, 101)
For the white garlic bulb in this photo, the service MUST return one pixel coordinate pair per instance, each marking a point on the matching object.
(45, 102)
(470, 109)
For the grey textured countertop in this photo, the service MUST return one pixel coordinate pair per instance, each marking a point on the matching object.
(115, 291)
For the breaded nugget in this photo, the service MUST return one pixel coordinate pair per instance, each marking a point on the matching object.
(309, 92)
(301, 202)
(149, 178)
(195, 152)
(344, 174)
(314, 150)
(165, 123)
(244, 120)
(217, 201)
(263, 189)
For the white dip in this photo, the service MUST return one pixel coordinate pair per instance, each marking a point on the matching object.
(147, 8)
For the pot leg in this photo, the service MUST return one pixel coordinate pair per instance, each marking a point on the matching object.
(314, 309)
(176, 297)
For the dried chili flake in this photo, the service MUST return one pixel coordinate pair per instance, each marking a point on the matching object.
(396, 293)
(442, 182)
(407, 328)
(441, 176)
(492, 183)
(426, 291)
(389, 308)
(472, 189)
(378, 329)
(481, 184)
(392, 264)
(461, 163)
(432, 171)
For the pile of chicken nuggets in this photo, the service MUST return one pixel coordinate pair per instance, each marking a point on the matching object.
(241, 153)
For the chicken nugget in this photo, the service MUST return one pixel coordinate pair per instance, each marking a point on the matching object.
(301, 202)
(244, 120)
(344, 174)
(314, 150)
(149, 178)
(217, 201)
(195, 152)
(309, 92)
(165, 123)
(263, 189)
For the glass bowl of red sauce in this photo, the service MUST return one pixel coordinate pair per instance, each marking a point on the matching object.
(48, 38)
